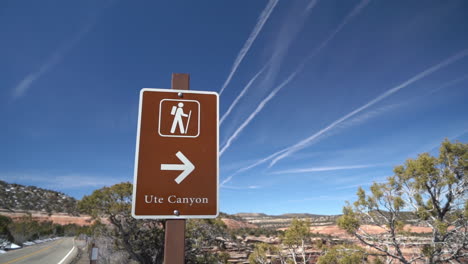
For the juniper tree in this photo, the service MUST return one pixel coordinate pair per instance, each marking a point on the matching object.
(343, 254)
(296, 237)
(260, 254)
(433, 192)
(143, 240)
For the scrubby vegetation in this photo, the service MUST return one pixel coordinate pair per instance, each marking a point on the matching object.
(434, 190)
(268, 232)
(128, 239)
(31, 198)
(27, 229)
(343, 254)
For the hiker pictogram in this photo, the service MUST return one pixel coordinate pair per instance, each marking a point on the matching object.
(178, 113)
(179, 118)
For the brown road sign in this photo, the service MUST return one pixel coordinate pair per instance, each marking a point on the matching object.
(176, 159)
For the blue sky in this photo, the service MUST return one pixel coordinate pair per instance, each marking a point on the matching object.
(316, 97)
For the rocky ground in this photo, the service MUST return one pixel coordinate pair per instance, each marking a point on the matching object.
(283, 221)
(323, 228)
(56, 218)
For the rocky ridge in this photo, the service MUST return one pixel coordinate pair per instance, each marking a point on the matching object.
(284, 220)
(16, 197)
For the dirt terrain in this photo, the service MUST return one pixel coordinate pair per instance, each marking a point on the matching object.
(234, 224)
(58, 218)
(84, 220)
(240, 250)
(334, 230)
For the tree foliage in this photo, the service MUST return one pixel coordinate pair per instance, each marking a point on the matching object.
(266, 253)
(201, 235)
(296, 237)
(260, 254)
(143, 240)
(259, 231)
(5, 234)
(343, 254)
(434, 190)
(26, 228)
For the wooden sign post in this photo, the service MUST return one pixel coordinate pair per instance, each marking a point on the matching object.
(174, 243)
(176, 160)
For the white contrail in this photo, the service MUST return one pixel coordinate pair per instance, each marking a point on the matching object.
(311, 5)
(20, 89)
(248, 43)
(246, 88)
(281, 47)
(226, 180)
(303, 143)
(318, 169)
(249, 187)
(255, 164)
(356, 10)
(298, 69)
(253, 114)
(300, 145)
(450, 83)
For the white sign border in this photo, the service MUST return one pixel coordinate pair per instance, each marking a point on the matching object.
(137, 149)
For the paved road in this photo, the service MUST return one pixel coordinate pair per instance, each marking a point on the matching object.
(46, 253)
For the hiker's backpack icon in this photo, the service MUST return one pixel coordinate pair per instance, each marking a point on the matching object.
(179, 118)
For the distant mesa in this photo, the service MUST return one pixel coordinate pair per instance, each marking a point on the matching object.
(250, 214)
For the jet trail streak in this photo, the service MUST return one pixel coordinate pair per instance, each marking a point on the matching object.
(277, 156)
(246, 88)
(56, 57)
(253, 114)
(303, 143)
(298, 69)
(248, 43)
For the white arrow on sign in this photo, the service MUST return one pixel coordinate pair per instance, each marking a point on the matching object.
(187, 167)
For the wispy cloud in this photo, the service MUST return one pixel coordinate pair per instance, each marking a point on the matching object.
(259, 108)
(448, 84)
(287, 34)
(250, 40)
(275, 157)
(311, 5)
(356, 10)
(363, 117)
(368, 183)
(317, 169)
(61, 181)
(305, 142)
(246, 168)
(434, 145)
(228, 179)
(250, 187)
(368, 115)
(79, 181)
(246, 88)
(298, 69)
(354, 186)
(323, 198)
(57, 56)
(284, 40)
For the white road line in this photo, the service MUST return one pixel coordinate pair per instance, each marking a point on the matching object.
(68, 254)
